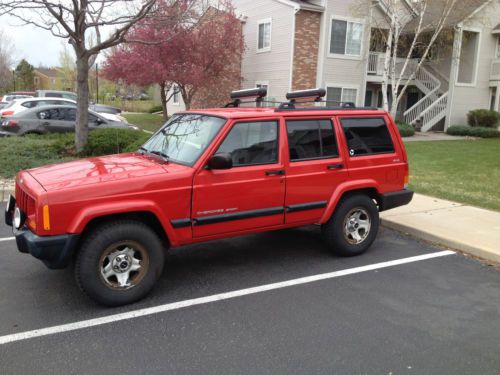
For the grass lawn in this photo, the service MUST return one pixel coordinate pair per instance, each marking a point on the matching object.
(146, 121)
(461, 171)
(131, 105)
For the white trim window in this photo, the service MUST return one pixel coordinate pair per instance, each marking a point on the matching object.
(346, 37)
(264, 30)
(339, 94)
(175, 95)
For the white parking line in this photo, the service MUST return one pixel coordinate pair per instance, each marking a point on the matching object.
(7, 239)
(213, 298)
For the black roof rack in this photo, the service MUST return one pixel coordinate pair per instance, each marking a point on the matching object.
(294, 97)
(257, 94)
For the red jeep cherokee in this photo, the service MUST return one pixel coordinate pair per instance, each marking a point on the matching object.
(212, 174)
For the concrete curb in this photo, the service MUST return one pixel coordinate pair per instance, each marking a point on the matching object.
(480, 252)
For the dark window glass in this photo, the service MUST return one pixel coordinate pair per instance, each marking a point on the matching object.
(53, 95)
(367, 136)
(311, 139)
(252, 143)
(338, 37)
(29, 104)
(70, 114)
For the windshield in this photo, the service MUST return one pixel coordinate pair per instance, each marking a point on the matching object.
(184, 137)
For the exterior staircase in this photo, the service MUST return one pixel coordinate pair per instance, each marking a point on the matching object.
(431, 109)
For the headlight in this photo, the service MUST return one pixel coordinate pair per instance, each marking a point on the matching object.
(19, 218)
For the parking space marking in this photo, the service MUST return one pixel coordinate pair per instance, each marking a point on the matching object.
(7, 239)
(213, 298)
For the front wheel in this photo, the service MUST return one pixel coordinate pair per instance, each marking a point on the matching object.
(119, 263)
(353, 227)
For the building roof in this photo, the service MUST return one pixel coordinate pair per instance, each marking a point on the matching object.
(436, 8)
(303, 4)
(49, 72)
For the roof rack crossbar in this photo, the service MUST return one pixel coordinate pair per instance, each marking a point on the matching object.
(258, 94)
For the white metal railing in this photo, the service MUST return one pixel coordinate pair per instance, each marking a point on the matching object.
(495, 69)
(430, 85)
(432, 115)
(376, 65)
(372, 63)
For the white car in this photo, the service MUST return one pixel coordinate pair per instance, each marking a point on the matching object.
(20, 105)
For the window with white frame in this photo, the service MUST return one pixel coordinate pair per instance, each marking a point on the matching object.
(264, 35)
(498, 48)
(345, 37)
(176, 95)
(337, 95)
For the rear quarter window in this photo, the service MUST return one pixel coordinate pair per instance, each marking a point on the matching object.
(367, 136)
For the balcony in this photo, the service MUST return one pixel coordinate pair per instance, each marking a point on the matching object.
(375, 67)
(495, 70)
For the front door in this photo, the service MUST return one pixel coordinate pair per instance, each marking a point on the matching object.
(315, 169)
(251, 194)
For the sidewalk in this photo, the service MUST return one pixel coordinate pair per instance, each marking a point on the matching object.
(435, 136)
(6, 188)
(469, 229)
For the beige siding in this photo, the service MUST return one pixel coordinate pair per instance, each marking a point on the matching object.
(343, 71)
(477, 95)
(272, 67)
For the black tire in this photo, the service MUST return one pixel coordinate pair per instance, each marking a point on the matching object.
(339, 238)
(147, 254)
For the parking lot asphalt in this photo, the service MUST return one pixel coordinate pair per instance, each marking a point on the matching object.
(433, 316)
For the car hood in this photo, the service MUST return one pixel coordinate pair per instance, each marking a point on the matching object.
(100, 169)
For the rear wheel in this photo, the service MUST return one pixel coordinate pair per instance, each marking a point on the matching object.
(353, 227)
(119, 263)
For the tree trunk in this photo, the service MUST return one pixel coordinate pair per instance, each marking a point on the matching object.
(187, 96)
(163, 96)
(82, 107)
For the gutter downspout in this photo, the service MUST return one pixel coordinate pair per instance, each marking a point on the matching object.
(292, 50)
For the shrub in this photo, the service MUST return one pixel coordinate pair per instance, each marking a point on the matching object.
(155, 108)
(102, 142)
(406, 130)
(483, 118)
(480, 132)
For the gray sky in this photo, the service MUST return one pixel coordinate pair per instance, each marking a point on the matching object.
(36, 45)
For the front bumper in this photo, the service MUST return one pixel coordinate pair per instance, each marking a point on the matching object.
(395, 199)
(55, 251)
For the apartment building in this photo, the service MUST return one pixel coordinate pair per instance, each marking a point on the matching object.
(298, 44)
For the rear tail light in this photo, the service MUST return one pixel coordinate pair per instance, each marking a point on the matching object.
(407, 177)
(7, 113)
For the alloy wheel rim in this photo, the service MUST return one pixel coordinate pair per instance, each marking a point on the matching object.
(357, 225)
(123, 265)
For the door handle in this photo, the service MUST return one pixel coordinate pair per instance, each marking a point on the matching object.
(279, 172)
(335, 166)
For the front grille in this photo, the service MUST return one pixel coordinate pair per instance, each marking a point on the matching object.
(24, 201)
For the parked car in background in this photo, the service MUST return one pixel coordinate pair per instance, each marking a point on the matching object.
(20, 105)
(11, 97)
(54, 118)
(56, 94)
(27, 93)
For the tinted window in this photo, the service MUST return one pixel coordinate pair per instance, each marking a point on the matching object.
(50, 114)
(366, 136)
(311, 139)
(252, 143)
(29, 104)
(53, 95)
(70, 114)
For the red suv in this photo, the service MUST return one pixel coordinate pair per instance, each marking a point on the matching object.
(211, 174)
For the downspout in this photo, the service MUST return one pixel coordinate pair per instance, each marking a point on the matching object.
(292, 50)
(455, 62)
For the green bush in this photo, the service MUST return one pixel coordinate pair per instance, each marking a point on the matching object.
(480, 132)
(102, 142)
(406, 130)
(483, 118)
(155, 108)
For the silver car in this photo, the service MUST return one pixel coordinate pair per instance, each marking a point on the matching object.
(53, 119)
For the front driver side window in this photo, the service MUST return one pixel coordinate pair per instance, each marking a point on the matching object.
(252, 143)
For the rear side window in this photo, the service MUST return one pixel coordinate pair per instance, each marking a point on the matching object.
(251, 143)
(367, 136)
(311, 139)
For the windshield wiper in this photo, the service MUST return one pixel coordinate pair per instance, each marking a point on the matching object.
(164, 156)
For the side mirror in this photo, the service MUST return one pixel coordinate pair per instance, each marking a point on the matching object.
(220, 161)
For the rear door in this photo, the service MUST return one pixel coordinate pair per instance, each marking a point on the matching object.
(373, 150)
(251, 194)
(315, 167)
